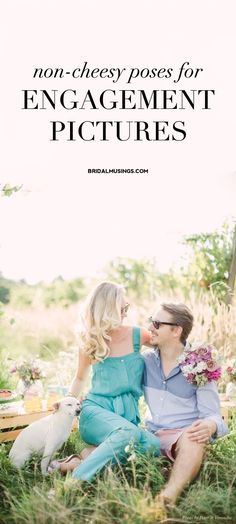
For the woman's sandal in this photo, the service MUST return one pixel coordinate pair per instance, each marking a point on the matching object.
(55, 465)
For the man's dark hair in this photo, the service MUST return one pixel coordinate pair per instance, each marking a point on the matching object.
(182, 316)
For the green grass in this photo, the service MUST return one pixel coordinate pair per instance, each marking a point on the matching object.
(122, 494)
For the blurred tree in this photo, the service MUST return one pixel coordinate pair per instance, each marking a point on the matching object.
(22, 295)
(59, 292)
(210, 259)
(138, 276)
(4, 295)
(63, 292)
(7, 190)
(5, 289)
(169, 282)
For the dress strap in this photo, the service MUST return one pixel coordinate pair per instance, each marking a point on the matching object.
(136, 339)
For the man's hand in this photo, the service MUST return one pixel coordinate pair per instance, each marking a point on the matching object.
(201, 430)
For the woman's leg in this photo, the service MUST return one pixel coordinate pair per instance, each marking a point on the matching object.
(111, 433)
(149, 442)
(69, 465)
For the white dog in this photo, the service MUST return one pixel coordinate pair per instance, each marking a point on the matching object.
(46, 435)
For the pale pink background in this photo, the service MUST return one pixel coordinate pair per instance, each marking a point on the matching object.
(68, 222)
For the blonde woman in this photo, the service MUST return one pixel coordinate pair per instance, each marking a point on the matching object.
(110, 415)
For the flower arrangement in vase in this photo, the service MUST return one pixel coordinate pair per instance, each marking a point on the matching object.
(30, 374)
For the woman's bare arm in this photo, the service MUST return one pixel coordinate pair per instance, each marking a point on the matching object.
(145, 338)
(81, 374)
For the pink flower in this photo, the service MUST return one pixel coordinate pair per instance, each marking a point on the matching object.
(200, 365)
(211, 365)
(214, 375)
(202, 352)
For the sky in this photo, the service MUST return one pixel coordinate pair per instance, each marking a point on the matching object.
(68, 222)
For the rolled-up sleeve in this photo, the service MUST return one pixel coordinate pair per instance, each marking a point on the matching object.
(208, 403)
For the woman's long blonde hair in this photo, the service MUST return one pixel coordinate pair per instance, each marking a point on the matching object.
(102, 313)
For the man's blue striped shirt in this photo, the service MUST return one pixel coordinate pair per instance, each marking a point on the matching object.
(173, 402)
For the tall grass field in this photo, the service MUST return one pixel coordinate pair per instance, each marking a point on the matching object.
(124, 493)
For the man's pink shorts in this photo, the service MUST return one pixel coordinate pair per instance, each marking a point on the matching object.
(168, 437)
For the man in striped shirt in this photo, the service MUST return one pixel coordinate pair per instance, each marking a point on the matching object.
(183, 416)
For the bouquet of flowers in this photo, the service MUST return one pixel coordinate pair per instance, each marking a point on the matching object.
(200, 364)
(28, 371)
(231, 371)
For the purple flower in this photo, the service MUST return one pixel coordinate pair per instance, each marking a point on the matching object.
(192, 358)
(206, 355)
(190, 377)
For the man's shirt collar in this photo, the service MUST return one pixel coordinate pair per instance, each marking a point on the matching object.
(175, 370)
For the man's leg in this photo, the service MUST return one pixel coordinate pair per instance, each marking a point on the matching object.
(189, 456)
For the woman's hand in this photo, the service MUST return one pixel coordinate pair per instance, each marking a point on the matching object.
(201, 431)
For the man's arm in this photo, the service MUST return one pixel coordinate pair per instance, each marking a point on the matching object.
(210, 421)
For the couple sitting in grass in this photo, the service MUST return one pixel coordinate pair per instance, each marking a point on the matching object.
(178, 384)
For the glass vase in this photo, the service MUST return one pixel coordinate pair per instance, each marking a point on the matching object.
(32, 394)
(231, 391)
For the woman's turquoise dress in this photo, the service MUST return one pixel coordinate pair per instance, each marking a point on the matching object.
(110, 415)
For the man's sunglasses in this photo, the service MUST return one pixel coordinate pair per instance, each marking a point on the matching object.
(158, 323)
(125, 308)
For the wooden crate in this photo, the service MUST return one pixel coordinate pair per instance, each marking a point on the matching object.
(12, 424)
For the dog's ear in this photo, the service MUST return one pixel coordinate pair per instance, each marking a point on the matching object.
(56, 406)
